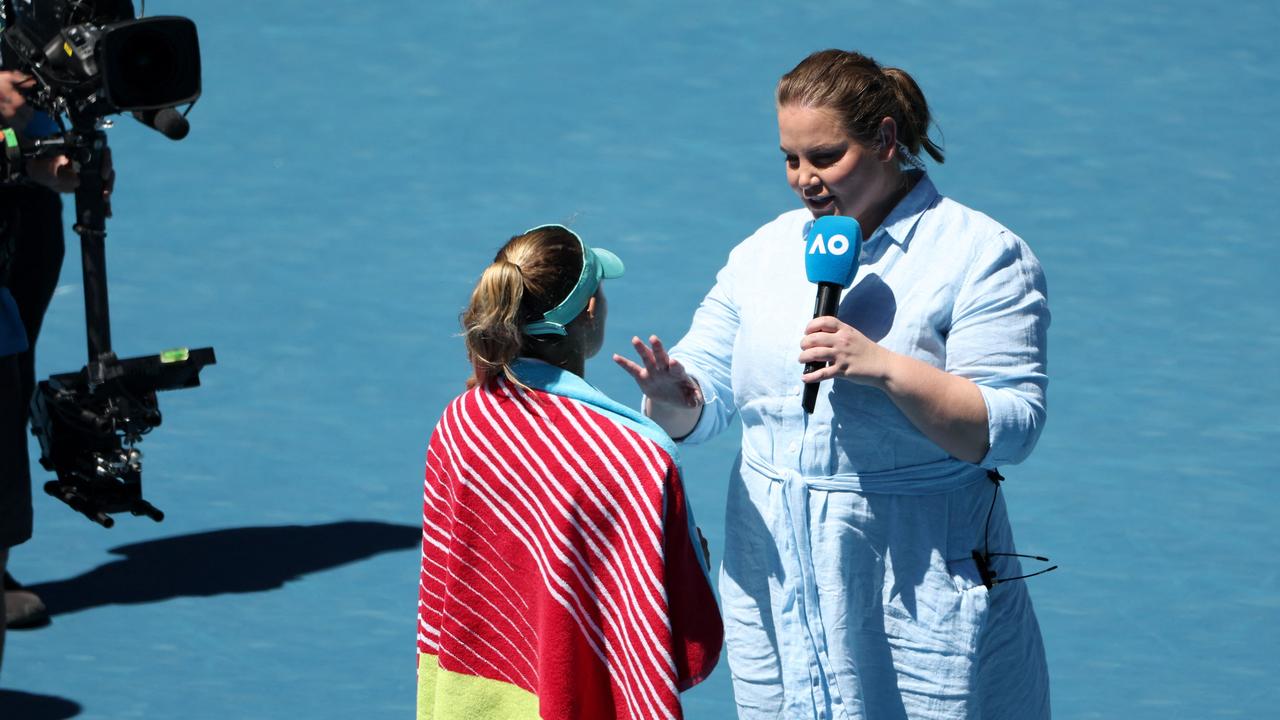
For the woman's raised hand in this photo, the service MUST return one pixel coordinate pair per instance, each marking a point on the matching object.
(661, 378)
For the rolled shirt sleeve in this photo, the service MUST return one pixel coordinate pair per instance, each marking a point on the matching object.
(998, 339)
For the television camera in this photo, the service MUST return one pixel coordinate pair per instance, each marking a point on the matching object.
(90, 59)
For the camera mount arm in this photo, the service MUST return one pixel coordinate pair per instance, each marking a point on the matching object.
(92, 211)
(88, 423)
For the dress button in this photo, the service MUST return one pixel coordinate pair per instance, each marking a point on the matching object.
(792, 447)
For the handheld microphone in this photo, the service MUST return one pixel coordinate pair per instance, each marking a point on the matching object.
(832, 248)
(167, 121)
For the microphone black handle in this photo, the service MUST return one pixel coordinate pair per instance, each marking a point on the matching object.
(826, 303)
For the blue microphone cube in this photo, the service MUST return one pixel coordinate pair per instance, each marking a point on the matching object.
(832, 248)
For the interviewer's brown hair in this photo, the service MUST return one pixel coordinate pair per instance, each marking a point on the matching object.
(531, 274)
(861, 93)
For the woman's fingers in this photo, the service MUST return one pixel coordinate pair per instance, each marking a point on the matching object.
(661, 377)
(655, 358)
(823, 332)
(825, 323)
(664, 362)
(646, 355)
(660, 357)
(817, 354)
(818, 339)
(634, 370)
(825, 372)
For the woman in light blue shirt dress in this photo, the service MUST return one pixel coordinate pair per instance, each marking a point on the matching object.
(868, 568)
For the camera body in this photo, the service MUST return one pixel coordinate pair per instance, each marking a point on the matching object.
(93, 59)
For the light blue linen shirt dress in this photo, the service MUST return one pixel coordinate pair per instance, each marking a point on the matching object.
(848, 584)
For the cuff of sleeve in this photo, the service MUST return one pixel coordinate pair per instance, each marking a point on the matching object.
(705, 428)
(1011, 431)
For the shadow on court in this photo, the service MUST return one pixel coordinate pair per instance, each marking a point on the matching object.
(28, 706)
(235, 560)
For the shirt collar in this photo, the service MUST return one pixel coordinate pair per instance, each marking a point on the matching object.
(902, 220)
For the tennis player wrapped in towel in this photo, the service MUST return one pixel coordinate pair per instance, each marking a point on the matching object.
(562, 575)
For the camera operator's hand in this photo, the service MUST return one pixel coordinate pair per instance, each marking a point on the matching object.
(15, 113)
(57, 173)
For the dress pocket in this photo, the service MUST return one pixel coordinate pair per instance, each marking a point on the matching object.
(966, 512)
(965, 575)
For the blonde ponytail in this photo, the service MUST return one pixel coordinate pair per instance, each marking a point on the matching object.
(490, 324)
(526, 278)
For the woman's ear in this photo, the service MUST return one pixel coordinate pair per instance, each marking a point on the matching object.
(590, 310)
(888, 140)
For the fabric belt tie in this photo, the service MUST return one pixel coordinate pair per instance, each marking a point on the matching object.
(800, 585)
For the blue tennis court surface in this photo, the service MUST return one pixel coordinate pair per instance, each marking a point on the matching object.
(351, 168)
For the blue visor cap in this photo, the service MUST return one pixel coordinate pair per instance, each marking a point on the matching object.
(597, 265)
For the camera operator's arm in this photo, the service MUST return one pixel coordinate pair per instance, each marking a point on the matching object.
(57, 172)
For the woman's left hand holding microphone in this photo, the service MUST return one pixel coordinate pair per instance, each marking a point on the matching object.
(850, 354)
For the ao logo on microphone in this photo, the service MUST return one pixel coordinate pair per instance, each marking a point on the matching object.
(837, 245)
